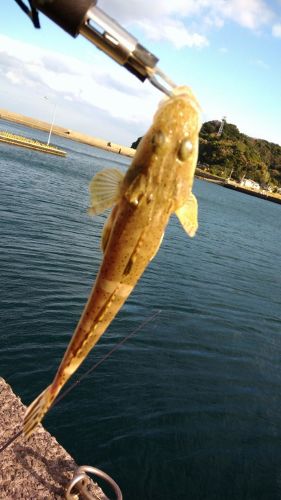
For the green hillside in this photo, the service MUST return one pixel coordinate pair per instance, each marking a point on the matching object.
(237, 154)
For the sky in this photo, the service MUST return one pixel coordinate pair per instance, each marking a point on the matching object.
(227, 51)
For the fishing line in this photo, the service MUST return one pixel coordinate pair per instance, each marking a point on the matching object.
(117, 346)
(84, 375)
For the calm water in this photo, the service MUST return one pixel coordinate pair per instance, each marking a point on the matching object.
(190, 407)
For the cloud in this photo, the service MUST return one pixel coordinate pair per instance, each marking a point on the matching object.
(186, 23)
(159, 21)
(276, 30)
(172, 31)
(13, 77)
(134, 10)
(260, 64)
(42, 72)
(250, 14)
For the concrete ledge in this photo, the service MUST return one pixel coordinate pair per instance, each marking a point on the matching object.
(24, 142)
(37, 468)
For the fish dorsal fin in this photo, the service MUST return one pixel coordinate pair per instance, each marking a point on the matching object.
(104, 190)
(188, 215)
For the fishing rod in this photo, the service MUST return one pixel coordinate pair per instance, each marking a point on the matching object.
(85, 18)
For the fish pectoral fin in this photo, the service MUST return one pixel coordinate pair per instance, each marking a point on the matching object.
(188, 215)
(104, 190)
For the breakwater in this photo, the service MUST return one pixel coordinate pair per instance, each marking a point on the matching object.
(24, 142)
(66, 132)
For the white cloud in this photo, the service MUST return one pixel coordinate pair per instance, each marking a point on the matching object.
(46, 73)
(250, 14)
(185, 22)
(13, 77)
(136, 10)
(260, 64)
(276, 30)
(161, 21)
(213, 20)
(172, 31)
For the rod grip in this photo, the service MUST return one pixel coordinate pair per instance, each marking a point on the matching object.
(68, 14)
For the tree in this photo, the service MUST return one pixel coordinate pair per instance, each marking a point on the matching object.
(238, 153)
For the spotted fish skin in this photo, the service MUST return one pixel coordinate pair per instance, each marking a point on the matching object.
(157, 184)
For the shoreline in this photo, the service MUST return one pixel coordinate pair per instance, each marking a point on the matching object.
(257, 194)
(10, 116)
(275, 198)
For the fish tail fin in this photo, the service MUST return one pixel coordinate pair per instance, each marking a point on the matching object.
(36, 411)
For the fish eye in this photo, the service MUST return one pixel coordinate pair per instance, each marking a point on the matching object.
(158, 139)
(185, 150)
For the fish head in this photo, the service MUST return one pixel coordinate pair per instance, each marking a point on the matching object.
(175, 129)
(166, 157)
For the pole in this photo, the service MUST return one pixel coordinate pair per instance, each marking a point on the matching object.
(52, 124)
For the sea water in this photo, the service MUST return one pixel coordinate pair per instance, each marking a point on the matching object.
(190, 406)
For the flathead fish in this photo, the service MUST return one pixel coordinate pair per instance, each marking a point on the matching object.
(157, 184)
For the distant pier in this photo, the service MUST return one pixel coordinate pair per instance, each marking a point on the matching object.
(25, 142)
(35, 468)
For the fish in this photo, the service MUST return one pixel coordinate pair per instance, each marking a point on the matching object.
(157, 184)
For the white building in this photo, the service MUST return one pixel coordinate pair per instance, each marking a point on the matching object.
(248, 183)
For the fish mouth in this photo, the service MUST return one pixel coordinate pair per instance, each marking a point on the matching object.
(182, 104)
(181, 92)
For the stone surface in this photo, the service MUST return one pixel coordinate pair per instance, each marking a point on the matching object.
(36, 468)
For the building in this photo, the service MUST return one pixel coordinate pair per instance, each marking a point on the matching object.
(248, 183)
